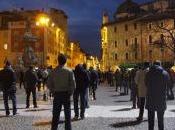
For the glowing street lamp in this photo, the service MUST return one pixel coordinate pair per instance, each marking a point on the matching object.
(43, 21)
(53, 24)
(5, 46)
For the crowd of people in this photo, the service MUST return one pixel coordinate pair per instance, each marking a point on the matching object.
(149, 86)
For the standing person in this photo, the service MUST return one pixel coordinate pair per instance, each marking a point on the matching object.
(21, 78)
(87, 89)
(156, 81)
(39, 75)
(82, 83)
(170, 94)
(93, 82)
(61, 83)
(142, 89)
(117, 79)
(133, 87)
(8, 81)
(45, 75)
(31, 81)
(125, 79)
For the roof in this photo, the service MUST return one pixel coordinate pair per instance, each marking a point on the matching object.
(128, 7)
(145, 17)
(158, 16)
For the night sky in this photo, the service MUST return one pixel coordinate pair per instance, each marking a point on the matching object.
(85, 17)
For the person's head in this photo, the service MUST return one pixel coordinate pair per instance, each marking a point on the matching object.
(146, 64)
(91, 68)
(62, 59)
(7, 63)
(30, 67)
(157, 62)
(84, 66)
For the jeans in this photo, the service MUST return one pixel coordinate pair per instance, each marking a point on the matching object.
(151, 116)
(82, 95)
(6, 96)
(61, 99)
(28, 92)
(87, 98)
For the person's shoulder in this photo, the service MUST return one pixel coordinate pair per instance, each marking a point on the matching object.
(165, 72)
(69, 70)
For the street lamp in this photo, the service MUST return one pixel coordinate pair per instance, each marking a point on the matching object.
(43, 21)
(5, 46)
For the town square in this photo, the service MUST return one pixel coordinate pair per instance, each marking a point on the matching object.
(87, 65)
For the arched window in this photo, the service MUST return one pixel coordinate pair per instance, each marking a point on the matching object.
(127, 56)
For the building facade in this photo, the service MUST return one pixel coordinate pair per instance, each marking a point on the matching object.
(131, 36)
(75, 54)
(50, 29)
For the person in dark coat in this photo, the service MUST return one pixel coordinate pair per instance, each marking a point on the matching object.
(82, 83)
(156, 81)
(30, 80)
(134, 94)
(8, 81)
(117, 79)
(170, 94)
(21, 78)
(87, 90)
(93, 82)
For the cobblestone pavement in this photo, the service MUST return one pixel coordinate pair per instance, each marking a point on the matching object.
(109, 112)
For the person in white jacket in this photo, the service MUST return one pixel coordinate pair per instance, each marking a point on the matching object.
(142, 89)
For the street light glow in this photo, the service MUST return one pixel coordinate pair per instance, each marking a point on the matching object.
(53, 24)
(43, 21)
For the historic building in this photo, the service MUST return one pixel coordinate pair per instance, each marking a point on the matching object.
(75, 54)
(48, 27)
(138, 33)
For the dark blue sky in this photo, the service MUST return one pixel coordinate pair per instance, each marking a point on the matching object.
(85, 17)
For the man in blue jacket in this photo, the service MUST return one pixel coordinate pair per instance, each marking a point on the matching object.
(156, 81)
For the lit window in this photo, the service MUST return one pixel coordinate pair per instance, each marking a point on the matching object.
(150, 25)
(135, 55)
(126, 27)
(135, 26)
(135, 40)
(150, 39)
(127, 56)
(116, 56)
(115, 29)
(115, 44)
(126, 42)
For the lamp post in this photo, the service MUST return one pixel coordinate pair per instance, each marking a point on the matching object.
(43, 21)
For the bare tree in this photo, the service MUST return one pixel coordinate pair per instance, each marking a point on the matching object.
(167, 38)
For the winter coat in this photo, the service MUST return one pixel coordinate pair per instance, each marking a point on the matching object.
(140, 82)
(61, 79)
(30, 79)
(156, 81)
(8, 80)
(81, 78)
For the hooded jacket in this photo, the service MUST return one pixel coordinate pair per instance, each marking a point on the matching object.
(156, 82)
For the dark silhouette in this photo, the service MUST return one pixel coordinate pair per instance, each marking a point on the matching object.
(30, 80)
(61, 83)
(156, 81)
(8, 81)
